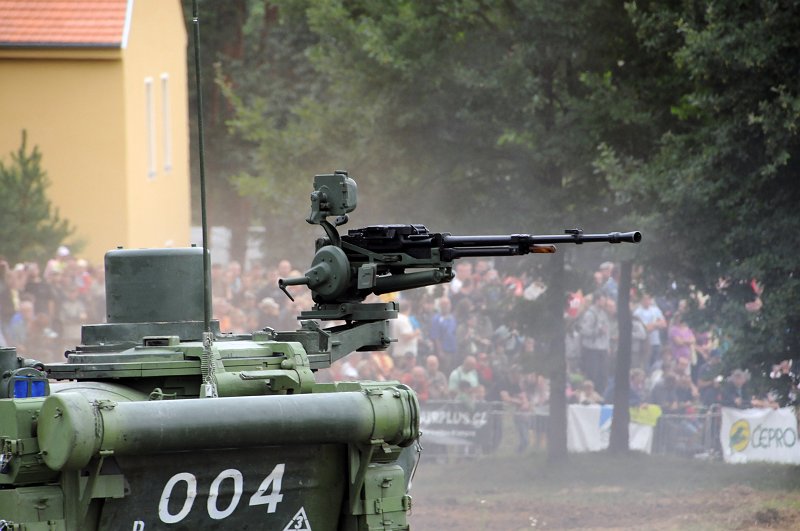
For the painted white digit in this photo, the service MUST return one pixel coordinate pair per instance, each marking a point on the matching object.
(213, 493)
(191, 494)
(275, 497)
(138, 525)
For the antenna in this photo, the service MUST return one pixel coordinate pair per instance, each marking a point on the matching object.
(201, 152)
(207, 359)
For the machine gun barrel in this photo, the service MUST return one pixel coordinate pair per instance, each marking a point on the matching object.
(455, 247)
(526, 240)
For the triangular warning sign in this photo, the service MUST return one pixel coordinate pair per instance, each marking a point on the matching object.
(299, 522)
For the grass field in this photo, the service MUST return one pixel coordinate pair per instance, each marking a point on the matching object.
(601, 491)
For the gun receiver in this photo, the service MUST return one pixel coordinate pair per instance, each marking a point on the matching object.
(376, 259)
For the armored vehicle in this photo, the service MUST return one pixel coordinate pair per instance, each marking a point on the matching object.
(160, 421)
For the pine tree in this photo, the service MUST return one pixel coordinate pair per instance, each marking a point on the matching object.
(30, 227)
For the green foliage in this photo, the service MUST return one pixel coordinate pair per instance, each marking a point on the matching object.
(30, 228)
(717, 186)
(419, 99)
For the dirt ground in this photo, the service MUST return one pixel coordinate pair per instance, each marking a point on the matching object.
(603, 492)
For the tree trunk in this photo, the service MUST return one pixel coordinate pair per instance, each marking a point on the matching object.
(619, 442)
(239, 223)
(557, 424)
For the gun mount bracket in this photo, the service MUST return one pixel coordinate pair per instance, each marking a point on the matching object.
(352, 311)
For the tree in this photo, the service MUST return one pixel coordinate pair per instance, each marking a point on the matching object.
(619, 441)
(30, 228)
(719, 188)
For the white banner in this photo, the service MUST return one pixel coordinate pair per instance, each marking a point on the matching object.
(589, 429)
(750, 435)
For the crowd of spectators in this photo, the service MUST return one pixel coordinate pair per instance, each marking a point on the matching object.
(673, 366)
(459, 341)
(462, 342)
(42, 307)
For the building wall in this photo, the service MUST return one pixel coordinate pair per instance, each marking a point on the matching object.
(86, 109)
(158, 137)
(72, 110)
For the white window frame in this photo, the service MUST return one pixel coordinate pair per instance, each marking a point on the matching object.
(166, 124)
(150, 126)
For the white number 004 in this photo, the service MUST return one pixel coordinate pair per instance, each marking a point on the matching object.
(259, 497)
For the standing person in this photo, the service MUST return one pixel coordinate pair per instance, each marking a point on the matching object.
(609, 283)
(468, 338)
(682, 340)
(417, 379)
(734, 392)
(233, 282)
(422, 318)
(19, 326)
(59, 260)
(654, 322)
(613, 327)
(72, 314)
(443, 334)
(403, 330)
(218, 281)
(516, 394)
(665, 393)
(403, 365)
(437, 381)
(44, 296)
(687, 393)
(640, 347)
(96, 297)
(485, 372)
(463, 271)
(709, 379)
(269, 312)
(595, 332)
(464, 378)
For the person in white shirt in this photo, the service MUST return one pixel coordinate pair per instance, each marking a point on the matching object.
(650, 314)
(403, 330)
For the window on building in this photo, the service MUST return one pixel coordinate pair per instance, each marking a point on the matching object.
(150, 125)
(166, 133)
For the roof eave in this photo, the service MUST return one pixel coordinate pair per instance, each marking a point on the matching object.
(60, 45)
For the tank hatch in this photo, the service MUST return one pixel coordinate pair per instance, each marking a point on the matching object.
(151, 292)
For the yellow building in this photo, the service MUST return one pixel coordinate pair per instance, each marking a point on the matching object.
(100, 87)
